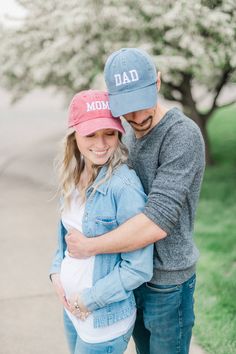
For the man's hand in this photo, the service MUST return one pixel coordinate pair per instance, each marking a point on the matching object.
(78, 244)
(56, 282)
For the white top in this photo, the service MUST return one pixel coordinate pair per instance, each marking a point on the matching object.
(77, 274)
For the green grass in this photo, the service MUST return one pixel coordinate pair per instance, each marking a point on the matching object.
(215, 235)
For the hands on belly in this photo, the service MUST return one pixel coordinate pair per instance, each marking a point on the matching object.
(74, 304)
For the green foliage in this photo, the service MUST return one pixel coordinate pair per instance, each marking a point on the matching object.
(215, 236)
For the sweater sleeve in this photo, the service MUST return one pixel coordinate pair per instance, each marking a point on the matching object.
(181, 159)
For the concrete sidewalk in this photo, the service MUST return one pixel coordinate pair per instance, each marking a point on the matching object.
(30, 315)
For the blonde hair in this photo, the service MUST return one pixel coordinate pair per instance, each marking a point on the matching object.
(71, 165)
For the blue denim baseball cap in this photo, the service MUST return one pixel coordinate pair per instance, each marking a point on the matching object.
(131, 77)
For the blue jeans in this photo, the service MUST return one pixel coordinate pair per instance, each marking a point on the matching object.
(77, 346)
(165, 318)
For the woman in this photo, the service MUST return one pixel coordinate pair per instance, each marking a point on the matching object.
(99, 192)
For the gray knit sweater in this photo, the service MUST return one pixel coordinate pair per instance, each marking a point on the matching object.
(170, 162)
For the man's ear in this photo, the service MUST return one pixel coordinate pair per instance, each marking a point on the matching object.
(158, 81)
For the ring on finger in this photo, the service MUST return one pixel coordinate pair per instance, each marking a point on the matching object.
(76, 306)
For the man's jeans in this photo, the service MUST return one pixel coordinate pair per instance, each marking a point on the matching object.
(77, 346)
(165, 318)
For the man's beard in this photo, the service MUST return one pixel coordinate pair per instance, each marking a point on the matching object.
(143, 126)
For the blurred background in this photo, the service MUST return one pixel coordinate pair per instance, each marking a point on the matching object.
(50, 50)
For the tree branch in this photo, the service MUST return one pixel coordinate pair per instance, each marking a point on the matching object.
(172, 86)
(226, 104)
(168, 92)
(223, 80)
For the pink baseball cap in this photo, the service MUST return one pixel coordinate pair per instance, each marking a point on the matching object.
(89, 111)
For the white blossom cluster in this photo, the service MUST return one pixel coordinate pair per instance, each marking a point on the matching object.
(65, 43)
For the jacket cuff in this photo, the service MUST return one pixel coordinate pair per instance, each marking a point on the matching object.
(89, 300)
(54, 269)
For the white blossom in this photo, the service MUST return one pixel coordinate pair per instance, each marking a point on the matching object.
(65, 43)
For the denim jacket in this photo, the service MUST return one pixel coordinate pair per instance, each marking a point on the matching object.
(115, 275)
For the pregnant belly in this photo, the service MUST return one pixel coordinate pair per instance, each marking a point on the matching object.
(76, 274)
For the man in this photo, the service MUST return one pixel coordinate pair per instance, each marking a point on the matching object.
(166, 150)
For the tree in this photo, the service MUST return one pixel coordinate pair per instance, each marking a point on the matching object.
(65, 44)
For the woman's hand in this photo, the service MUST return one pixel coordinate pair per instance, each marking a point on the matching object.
(74, 304)
(77, 308)
(56, 282)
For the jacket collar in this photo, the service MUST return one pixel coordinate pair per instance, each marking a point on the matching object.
(102, 188)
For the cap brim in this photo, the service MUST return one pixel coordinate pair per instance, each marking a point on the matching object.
(93, 125)
(133, 101)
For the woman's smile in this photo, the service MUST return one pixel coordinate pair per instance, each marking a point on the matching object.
(98, 147)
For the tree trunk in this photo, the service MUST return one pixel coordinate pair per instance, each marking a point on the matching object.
(209, 158)
(202, 123)
(191, 111)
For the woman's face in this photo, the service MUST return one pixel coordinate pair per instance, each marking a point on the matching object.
(98, 147)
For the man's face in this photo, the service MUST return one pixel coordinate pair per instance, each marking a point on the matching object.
(142, 121)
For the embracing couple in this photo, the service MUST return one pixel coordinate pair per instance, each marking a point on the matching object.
(125, 262)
